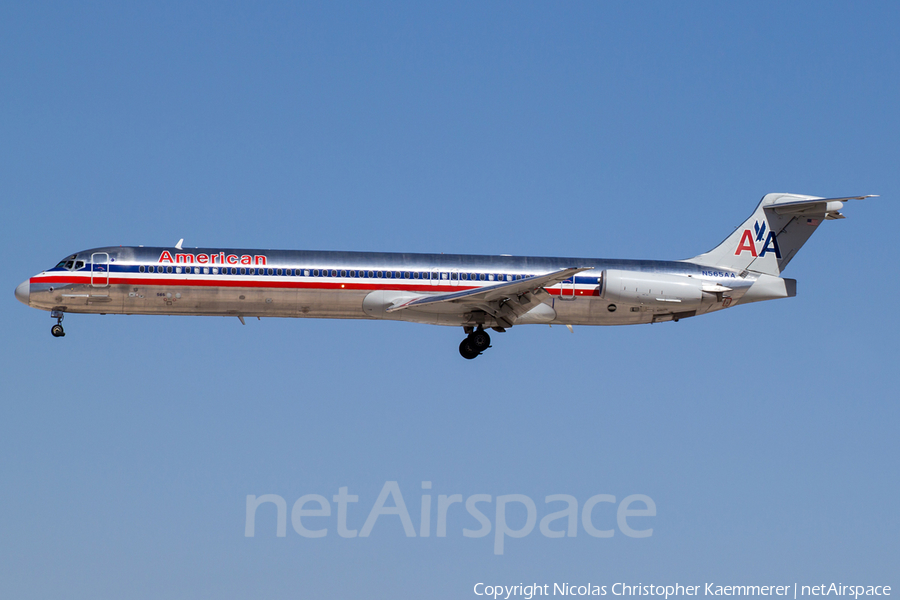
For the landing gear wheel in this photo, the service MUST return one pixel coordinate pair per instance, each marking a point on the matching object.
(467, 349)
(480, 340)
(57, 330)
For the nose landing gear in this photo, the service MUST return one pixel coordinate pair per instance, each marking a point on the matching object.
(474, 344)
(57, 330)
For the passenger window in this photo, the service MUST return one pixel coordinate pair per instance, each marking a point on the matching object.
(168, 269)
(178, 269)
(215, 270)
(343, 273)
(141, 269)
(481, 276)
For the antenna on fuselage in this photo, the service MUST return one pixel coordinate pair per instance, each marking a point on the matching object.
(178, 245)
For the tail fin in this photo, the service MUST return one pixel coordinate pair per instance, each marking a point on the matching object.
(773, 234)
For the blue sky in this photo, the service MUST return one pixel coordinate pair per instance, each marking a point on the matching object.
(765, 435)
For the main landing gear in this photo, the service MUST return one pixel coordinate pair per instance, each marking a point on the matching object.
(475, 343)
(57, 330)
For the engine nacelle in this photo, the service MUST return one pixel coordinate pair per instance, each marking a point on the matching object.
(677, 293)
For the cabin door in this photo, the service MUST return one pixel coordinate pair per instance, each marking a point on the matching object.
(567, 289)
(99, 269)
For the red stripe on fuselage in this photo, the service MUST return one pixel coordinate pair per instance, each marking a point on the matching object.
(263, 284)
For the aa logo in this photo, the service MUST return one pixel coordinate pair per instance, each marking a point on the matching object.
(748, 243)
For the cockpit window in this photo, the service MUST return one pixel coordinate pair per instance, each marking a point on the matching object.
(65, 263)
(70, 264)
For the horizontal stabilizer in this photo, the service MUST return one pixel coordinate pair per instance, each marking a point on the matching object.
(828, 206)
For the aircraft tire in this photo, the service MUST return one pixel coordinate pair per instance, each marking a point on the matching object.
(467, 349)
(57, 330)
(480, 340)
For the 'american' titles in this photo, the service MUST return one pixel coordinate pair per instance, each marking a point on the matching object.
(212, 259)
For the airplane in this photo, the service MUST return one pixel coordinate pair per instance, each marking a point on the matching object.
(476, 293)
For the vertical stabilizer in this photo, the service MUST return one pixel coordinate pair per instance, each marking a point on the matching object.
(773, 234)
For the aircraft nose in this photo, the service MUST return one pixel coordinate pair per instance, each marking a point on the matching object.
(23, 292)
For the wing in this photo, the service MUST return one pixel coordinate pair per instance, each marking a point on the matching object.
(505, 301)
